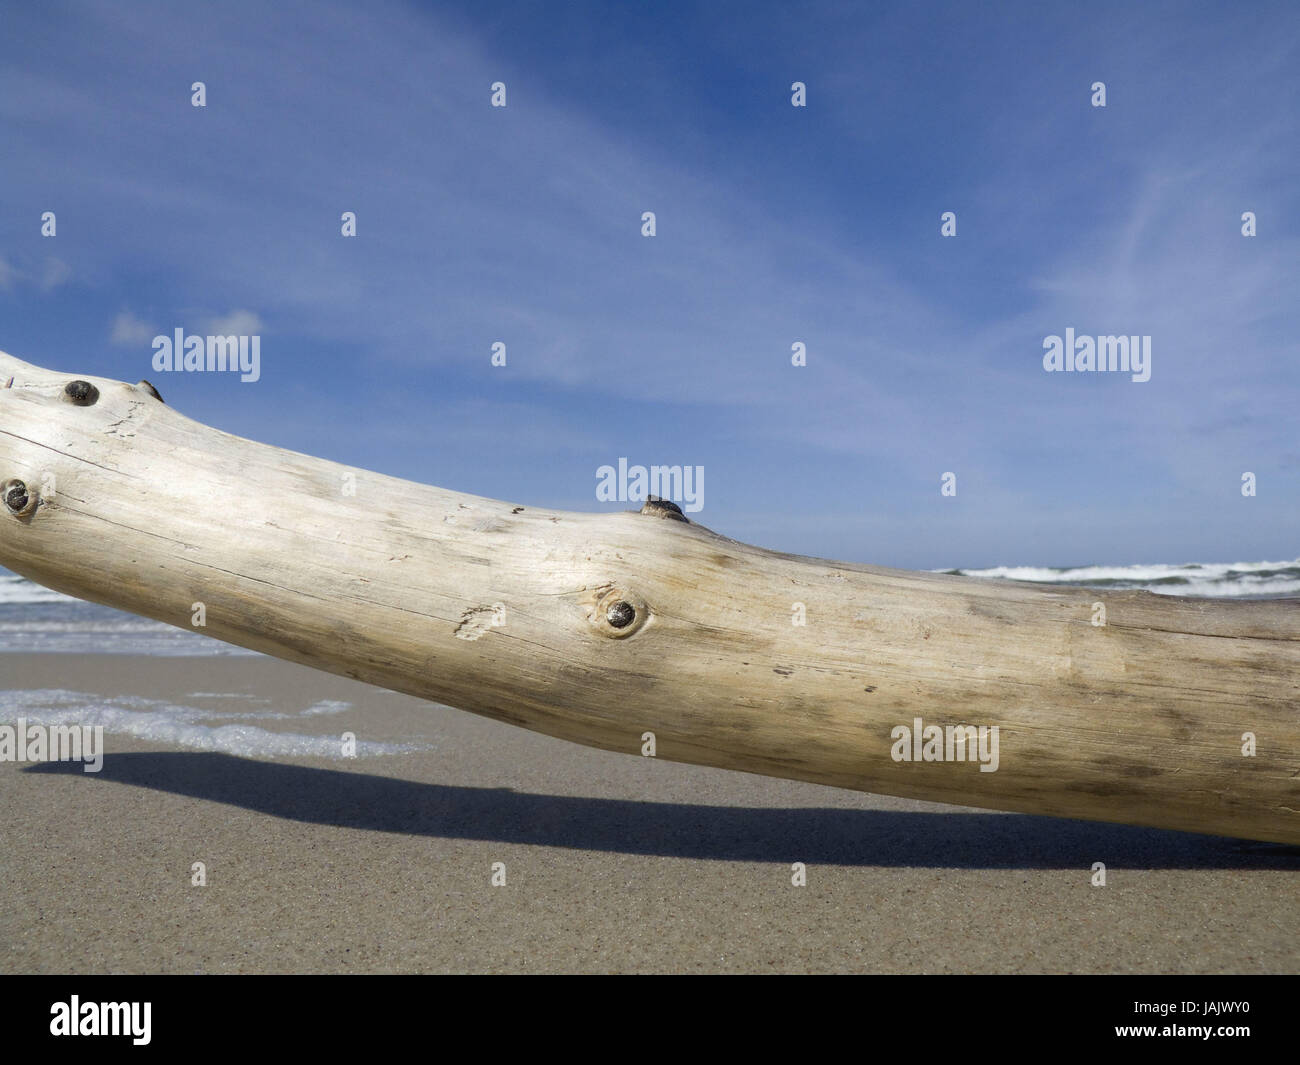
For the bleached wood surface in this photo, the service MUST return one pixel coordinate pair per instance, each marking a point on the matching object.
(510, 612)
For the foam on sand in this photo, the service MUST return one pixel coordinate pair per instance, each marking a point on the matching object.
(159, 721)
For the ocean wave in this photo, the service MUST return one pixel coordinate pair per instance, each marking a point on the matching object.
(15, 589)
(71, 626)
(1230, 580)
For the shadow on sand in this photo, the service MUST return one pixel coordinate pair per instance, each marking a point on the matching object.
(715, 833)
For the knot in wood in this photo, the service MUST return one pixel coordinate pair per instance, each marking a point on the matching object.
(82, 393)
(18, 499)
(619, 613)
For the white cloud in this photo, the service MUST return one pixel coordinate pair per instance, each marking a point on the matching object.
(56, 273)
(236, 323)
(130, 331)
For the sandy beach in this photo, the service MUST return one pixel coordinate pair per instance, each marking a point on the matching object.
(612, 863)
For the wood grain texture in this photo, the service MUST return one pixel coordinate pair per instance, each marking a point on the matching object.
(503, 610)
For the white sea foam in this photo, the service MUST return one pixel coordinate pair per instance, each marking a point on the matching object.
(226, 695)
(158, 721)
(327, 706)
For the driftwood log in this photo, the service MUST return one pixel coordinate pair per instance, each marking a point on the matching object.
(603, 628)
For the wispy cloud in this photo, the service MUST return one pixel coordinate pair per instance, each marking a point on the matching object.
(54, 273)
(45, 273)
(130, 331)
(236, 323)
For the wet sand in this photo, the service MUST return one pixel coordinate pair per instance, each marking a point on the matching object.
(612, 863)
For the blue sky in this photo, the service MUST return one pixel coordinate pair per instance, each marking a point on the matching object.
(775, 224)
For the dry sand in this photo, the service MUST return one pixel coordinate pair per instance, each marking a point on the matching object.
(614, 863)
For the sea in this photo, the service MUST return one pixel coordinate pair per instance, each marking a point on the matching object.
(1204, 580)
(36, 619)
